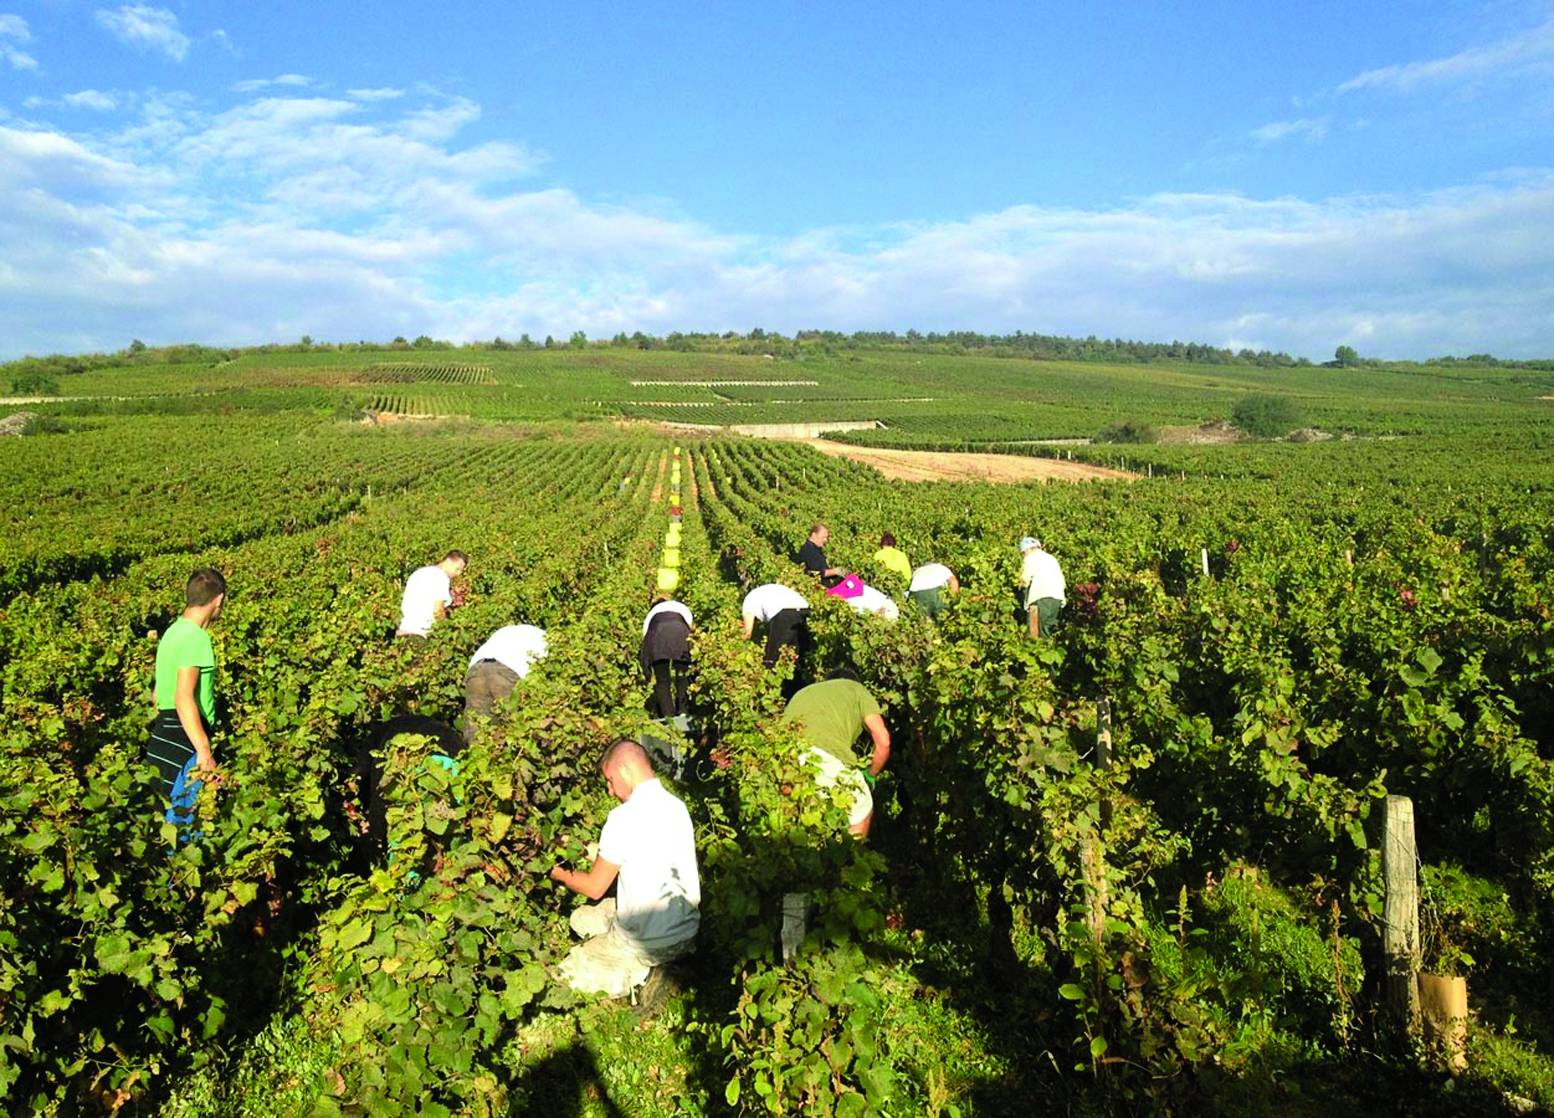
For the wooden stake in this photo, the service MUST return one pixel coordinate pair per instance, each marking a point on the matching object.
(1400, 918)
(1205, 558)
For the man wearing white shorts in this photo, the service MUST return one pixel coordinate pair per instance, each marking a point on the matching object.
(648, 851)
(831, 715)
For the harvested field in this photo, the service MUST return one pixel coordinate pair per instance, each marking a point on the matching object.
(926, 465)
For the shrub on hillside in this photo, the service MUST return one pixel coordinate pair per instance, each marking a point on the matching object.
(1128, 431)
(34, 384)
(1266, 416)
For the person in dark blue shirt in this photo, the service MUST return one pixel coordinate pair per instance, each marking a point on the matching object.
(812, 555)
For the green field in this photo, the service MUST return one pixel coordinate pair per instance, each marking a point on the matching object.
(1191, 928)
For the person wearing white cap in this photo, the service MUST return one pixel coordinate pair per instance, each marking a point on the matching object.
(1042, 580)
(496, 668)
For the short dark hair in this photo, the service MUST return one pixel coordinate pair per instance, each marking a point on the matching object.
(455, 553)
(887, 540)
(815, 527)
(205, 585)
(613, 751)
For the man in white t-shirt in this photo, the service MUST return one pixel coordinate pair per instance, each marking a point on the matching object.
(1042, 580)
(931, 585)
(429, 595)
(785, 614)
(872, 600)
(648, 851)
(496, 668)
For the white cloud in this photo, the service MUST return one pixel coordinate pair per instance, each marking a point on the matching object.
(224, 41)
(1533, 49)
(343, 218)
(383, 94)
(94, 99)
(147, 28)
(1311, 129)
(254, 85)
(91, 99)
(14, 27)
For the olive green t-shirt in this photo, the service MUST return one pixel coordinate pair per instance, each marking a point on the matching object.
(831, 716)
(186, 645)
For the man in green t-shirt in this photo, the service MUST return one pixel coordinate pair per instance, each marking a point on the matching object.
(185, 696)
(831, 715)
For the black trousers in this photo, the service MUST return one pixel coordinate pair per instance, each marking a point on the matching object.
(670, 678)
(787, 628)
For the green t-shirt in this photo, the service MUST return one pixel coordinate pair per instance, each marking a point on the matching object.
(831, 715)
(894, 560)
(186, 645)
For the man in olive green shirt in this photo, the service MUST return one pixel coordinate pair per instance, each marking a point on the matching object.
(185, 696)
(831, 715)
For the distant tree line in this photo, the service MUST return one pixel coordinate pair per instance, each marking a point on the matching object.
(42, 371)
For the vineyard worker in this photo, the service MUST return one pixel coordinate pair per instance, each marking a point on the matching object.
(648, 851)
(666, 653)
(496, 668)
(185, 696)
(1042, 580)
(930, 585)
(785, 614)
(892, 558)
(812, 555)
(865, 598)
(429, 595)
(830, 715)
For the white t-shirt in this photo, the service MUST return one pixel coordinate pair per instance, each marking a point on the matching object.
(425, 590)
(1041, 576)
(515, 647)
(658, 892)
(666, 607)
(766, 602)
(873, 601)
(929, 576)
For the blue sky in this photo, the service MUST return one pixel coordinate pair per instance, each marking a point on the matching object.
(1285, 176)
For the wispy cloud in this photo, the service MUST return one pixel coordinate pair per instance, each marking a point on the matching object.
(1307, 128)
(1533, 49)
(147, 28)
(13, 30)
(224, 41)
(284, 81)
(348, 218)
(383, 94)
(94, 99)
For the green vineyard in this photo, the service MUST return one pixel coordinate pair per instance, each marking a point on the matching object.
(1136, 866)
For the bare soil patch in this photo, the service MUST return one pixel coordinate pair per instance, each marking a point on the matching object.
(1203, 434)
(927, 465)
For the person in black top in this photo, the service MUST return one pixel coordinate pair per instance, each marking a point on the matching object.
(666, 653)
(812, 555)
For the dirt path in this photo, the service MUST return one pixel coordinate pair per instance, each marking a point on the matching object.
(658, 479)
(927, 465)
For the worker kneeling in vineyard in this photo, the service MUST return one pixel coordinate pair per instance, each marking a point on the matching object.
(648, 851)
(785, 614)
(496, 668)
(184, 692)
(931, 586)
(1042, 580)
(665, 654)
(830, 716)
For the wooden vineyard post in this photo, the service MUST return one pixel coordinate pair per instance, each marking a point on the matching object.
(1400, 917)
(795, 923)
(1092, 863)
(1205, 558)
